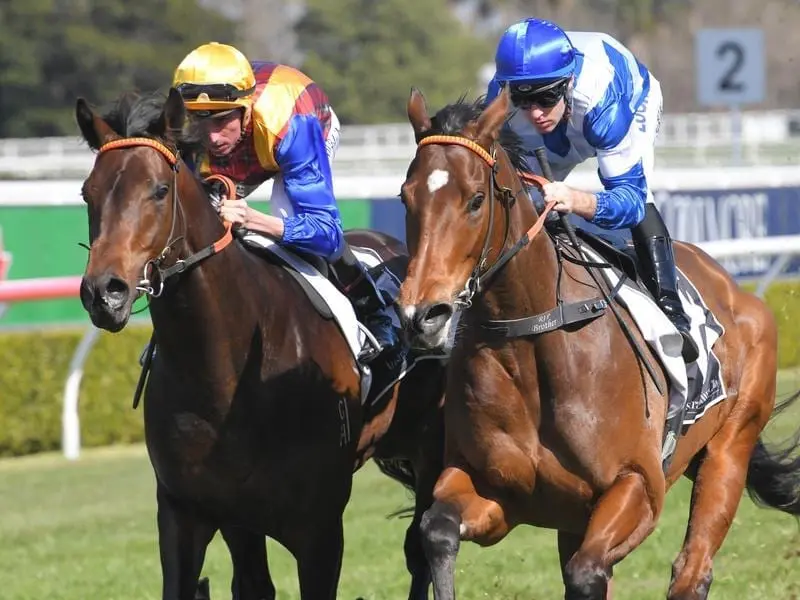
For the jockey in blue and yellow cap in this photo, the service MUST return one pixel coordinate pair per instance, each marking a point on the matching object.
(270, 121)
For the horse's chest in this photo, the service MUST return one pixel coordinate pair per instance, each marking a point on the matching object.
(191, 452)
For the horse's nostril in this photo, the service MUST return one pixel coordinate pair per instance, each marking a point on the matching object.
(115, 293)
(116, 286)
(433, 318)
(438, 312)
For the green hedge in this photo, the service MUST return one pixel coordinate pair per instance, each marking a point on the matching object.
(34, 370)
(784, 300)
(35, 365)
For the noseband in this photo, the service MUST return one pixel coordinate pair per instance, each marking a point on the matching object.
(156, 265)
(480, 275)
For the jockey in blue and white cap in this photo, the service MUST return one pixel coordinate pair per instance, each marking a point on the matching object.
(583, 95)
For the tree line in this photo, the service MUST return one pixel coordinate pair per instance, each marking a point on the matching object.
(366, 55)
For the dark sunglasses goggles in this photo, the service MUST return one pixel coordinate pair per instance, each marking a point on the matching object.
(525, 95)
(214, 91)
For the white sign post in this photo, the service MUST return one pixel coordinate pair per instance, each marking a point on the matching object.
(731, 72)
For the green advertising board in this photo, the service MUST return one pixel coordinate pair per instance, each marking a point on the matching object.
(42, 241)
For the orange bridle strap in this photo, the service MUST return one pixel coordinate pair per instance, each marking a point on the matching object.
(173, 159)
(132, 142)
(476, 148)
(455, 140)
(230, 187)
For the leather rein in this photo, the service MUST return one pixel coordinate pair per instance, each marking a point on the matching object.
(155, 266)
(481, 274)
(564, 313)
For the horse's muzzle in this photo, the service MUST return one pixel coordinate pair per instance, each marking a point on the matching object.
(426, 325)
(106, 298)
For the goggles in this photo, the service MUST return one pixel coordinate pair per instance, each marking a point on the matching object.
(214, 91)
(526, 95)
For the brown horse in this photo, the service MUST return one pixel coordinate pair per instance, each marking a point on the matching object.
(253, 417)
(564, 429)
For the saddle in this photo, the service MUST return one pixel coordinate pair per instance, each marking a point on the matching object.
(387, 270)
(617, 250)
(378, 272)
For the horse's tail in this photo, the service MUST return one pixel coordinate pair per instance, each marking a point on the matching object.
(399, 469)
(773, 475)
(402, 470)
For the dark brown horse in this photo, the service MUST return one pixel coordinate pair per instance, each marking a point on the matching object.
(564, 429)
(252, 412)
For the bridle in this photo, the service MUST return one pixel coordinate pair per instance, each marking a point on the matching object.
(479, 277)
(481, 274)
(155, 266)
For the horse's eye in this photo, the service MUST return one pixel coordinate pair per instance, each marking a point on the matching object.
(161, 191)
(476, 202)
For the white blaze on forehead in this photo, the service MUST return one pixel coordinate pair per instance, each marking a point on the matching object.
(437, 180)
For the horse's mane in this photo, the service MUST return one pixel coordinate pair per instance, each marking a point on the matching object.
(453, 118)
(136, 114)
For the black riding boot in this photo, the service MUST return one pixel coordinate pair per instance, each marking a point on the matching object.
(370, 306)
(654, 248)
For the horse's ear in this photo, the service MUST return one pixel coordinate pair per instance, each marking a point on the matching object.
(94, 129)
(492, 118)
(173, 115)
(418, 113)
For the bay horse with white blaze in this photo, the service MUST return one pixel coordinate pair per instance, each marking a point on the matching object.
(563, 429)
(253, 415)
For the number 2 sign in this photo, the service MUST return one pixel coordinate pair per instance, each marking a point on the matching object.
(730, 66)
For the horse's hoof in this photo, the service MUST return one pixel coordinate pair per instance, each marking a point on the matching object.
(203, 590)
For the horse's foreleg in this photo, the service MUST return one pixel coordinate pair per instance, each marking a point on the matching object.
(251, 577)
(622, 518)
(318, 550)
(427, 468)
(568, 545)
(416, 562)
(183, 536)
(458, 512)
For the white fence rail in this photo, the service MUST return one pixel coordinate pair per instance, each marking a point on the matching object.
(59, 192)
(692, 139)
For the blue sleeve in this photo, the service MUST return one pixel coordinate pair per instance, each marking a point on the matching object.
(607, 128)
(622, 203)
(316, 226)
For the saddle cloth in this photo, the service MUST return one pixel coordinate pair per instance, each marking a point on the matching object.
(340, 308)
(697, 386)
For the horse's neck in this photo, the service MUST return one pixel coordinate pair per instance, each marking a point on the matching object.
(215, 300)
(526, 285)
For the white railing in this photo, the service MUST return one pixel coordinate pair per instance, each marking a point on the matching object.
(692, 139)
(61, 192)
(48, 288)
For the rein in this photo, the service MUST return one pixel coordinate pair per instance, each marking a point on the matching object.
(156, 265)
(564, 313)
(479, 277)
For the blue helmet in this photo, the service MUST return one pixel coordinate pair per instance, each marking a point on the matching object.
(534, 50)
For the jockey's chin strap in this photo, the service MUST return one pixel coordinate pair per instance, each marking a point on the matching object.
(156, 264)
(480, 275)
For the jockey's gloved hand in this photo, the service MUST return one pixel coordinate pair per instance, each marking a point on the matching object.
(216, 193)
